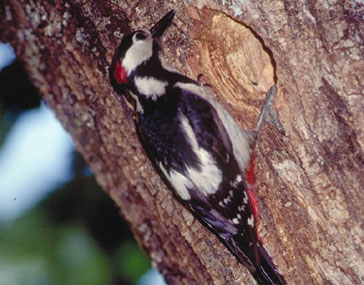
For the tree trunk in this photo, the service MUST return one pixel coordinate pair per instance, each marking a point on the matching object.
(309, 182)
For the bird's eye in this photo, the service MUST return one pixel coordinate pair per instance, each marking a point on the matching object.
(140, 36)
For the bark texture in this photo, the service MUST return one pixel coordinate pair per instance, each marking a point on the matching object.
(309, 183)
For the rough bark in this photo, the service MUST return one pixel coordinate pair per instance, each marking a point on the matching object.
(309, 183)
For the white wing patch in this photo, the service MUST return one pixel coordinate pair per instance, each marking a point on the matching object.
(208, 178)
(250, 221)
(139, 52)
(236, 182)
(246, 198)
(179, 182)
(237, 136)
(150, 87)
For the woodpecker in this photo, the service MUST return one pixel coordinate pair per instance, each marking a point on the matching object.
(200, 151)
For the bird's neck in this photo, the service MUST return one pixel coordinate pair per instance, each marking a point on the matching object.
(154, 81)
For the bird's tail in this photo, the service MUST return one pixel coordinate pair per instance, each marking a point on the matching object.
(266, 273)
(256, 259)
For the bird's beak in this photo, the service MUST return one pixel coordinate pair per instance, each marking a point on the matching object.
(158, 29)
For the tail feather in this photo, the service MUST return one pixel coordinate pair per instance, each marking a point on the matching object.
(257, 260)
(266, 273)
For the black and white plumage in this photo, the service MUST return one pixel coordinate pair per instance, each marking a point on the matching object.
(194, 143)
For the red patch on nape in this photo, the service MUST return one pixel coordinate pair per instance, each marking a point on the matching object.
(249, 174)
(120, 74)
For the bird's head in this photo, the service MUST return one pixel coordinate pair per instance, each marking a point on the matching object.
(135, 50)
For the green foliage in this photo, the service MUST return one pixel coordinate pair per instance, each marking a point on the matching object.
(74, 236)
(132, 262)
(39, 249)
(35, 252)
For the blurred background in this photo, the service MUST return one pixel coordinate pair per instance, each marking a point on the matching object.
(57, 226)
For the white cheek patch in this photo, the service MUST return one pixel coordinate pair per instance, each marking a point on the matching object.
(179, 182)
(138, 53)
(150, 87)
(208, 178)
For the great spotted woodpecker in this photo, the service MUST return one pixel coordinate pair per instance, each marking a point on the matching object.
(197, 147)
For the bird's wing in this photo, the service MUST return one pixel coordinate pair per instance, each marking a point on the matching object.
(224, 203)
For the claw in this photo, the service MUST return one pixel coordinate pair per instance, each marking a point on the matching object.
(198, 79)
(268, 114)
